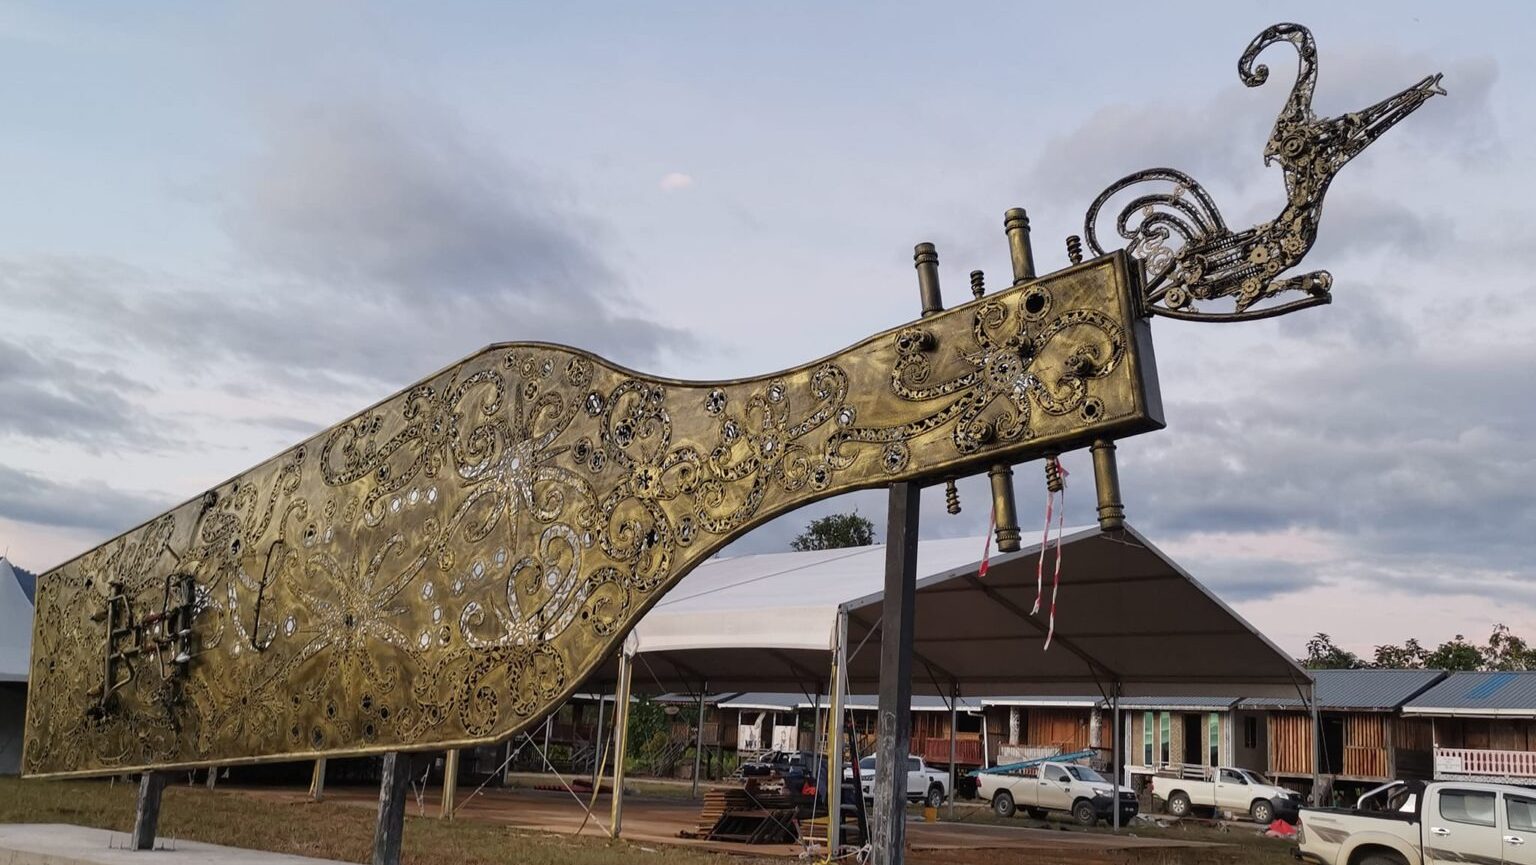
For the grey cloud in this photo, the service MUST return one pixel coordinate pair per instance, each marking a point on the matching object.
(31, 498)
(60, 400)
(1250, 579)
(370, 247)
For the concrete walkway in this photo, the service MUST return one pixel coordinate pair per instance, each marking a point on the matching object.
(63, 844)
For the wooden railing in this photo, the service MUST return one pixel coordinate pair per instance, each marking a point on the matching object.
(967, 751)
(1474, 761)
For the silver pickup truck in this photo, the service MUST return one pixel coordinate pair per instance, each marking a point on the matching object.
(1413, 823)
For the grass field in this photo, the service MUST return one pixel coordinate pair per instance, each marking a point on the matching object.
(332, 830)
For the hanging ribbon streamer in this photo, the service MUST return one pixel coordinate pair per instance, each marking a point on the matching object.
(1055, 485)
(986, 550)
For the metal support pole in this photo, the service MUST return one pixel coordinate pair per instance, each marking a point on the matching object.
(1004, 510)
(391, 824)
(317, 781)
(1020, 252)
(1317, 748)
(838, 692)
(894, 736)
(213, 777)
(1114, 755)
(620, 737)
(597, 744)
(450, 782)
(146, 816)
(954, 715)
(698, 742)
(1106, 481)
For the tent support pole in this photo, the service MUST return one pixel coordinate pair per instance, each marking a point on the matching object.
(894, 734)
(597, 744)
(619, 737)
(1114, 755)
(1317, 748)
(146, 814)
(317, 781)
(954, 702)
(393, 786)
(698, 742)
(835, 734)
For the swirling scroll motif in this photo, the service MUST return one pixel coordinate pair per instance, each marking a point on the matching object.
(444, 567)
(1176, 230)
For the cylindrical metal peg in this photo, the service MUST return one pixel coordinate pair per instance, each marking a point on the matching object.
(1075, 249)
(1106, 482)
(1016, 226)
(951, 497)
(978, 283)
(1005, 510)
(926, 259)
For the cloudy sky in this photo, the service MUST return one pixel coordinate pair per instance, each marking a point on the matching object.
(224, 227)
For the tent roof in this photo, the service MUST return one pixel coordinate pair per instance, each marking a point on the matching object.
(1125, 612)
(15, 627)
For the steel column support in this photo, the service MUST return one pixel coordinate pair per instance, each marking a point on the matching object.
(450, 782)
(317, 781)
(1317, 748)
(620, 737)
(894, 735)
(597, 745)
(393, 786)
(146, 815)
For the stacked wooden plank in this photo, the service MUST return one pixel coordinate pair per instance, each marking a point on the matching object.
(740, 814)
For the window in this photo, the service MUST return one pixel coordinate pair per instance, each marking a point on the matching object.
(914, 765)
(1250, 732)
(1061, 777)
(867, 764)
(1164, 729)
(1214, 722)
(1229, 776)
(1473, 807)
(1146, 739)
(1520, 812)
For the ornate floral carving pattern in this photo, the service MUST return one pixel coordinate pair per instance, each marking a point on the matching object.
(446, 566)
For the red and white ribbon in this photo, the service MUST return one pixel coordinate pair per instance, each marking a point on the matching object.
(1061, 522)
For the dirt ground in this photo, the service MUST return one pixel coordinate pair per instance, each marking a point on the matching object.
(528, 826)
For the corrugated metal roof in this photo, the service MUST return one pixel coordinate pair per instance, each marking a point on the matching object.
(1500, 693)
(1174, 704)
(1365, 690)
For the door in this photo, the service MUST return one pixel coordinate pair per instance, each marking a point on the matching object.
(1055, 788)
(1519, 829)
(1462, 825)
(1232, 791)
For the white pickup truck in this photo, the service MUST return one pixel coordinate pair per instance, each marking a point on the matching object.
(1413, 823)
(930, 786)
(1038, 790)
(1225, 789)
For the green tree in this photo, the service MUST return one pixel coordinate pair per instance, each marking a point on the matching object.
(1409, 656)
(1456, 654)
(1322, 654)
(1505, 651)
(835, 531)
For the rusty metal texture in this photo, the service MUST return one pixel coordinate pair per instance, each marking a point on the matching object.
(445, 567)
(1190, 255)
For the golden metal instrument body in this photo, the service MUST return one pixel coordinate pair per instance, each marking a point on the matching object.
(446, 567)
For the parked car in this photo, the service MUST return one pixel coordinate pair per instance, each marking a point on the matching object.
(1224, 788)
(924, 784)
(776, 763)
(1414, 823)
(1061, 787)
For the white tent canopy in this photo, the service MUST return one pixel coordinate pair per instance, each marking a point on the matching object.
(15, 627)
(1126, 614)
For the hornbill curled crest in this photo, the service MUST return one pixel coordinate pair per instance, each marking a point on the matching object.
(1189, 253)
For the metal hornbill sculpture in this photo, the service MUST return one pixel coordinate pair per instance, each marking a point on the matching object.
(1210, 261)
(445, 567)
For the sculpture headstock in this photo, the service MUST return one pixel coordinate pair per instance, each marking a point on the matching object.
(1191, 255)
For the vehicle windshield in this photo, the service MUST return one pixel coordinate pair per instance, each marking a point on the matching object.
(868, 764)
(1083, 773)
(1256, 778)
